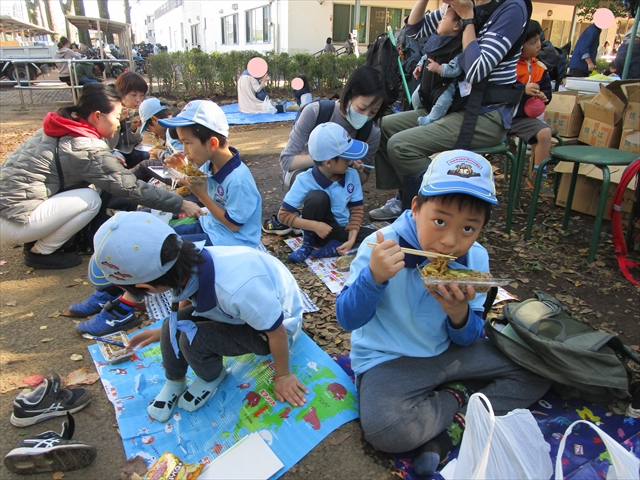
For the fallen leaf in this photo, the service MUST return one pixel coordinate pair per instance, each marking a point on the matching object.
(340, 438)
(23, 432)
(3, 262)
(10, 304)
(46, 340)
(523, 279)
(81, 377)
(514, 285)
(133, 467)
(58, 475)
(55, 314)
(77, 280)
(85, 283)
(43, 327)
(33, 380)
(75, 357)
(72, 285)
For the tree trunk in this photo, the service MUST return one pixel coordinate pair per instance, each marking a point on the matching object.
(48, 16)
(127, 16)
(66, 5)
(83, 35)
(103, 9)
(33, 11)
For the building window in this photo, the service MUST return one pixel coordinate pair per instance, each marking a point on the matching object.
(257, 25)
(230, 29)
(194, 35)
(344, 19)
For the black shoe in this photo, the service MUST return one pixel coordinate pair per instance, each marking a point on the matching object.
(56, 261)
(48, 401)
(50, 452)
(28, 246)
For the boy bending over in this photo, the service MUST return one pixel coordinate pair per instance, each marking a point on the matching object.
(242, 301)
(417, 354)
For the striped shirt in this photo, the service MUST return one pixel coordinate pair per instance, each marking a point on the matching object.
(486, 55)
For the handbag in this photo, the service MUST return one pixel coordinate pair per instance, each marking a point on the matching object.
(506, 447)
(624, 465)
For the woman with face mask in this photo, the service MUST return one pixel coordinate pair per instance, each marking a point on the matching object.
(360, 106)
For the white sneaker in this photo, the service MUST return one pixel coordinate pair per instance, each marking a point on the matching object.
(390, 211)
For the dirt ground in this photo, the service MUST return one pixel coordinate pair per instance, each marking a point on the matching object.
(34, 338)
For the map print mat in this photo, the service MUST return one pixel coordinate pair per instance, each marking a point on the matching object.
(243, 404)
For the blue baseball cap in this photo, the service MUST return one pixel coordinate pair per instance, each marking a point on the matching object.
(330, 140)
(201, 112)
(127, 250)
(148, 109)
(460, 171)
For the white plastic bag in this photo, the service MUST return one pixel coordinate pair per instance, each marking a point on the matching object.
(507, 447)
(267, 107)
(624, 465)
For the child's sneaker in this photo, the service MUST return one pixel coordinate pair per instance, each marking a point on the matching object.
(47, 401)
(50, 452)
(274, 227)
(91, 305)
(113, 317)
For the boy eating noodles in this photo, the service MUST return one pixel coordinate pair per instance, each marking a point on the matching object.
(242, 301)
(230, 192)
(417, 353)
(332, 195)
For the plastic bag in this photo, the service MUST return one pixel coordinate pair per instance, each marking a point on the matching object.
(510, 446)
(623, 463)
(267, 107)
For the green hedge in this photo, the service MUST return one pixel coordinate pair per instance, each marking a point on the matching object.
(196, 73)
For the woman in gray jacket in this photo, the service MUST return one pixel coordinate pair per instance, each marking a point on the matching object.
(45, 197)
(65, 52)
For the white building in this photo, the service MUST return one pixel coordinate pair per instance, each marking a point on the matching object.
(302, 26)
(149, 29)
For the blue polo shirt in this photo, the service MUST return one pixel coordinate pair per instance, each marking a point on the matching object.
(247, 286)
(234, 189)
(344, 194)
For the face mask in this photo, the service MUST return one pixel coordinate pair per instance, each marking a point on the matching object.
(356, 119)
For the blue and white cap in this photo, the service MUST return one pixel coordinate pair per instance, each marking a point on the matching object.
(330, 140)
(201, 112)
(149, 108)
(127, 250)
(460, 171)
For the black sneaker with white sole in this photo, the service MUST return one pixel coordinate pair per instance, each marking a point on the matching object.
(50, 452)
(48, 401)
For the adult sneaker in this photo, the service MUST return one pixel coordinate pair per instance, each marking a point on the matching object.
(274, 227)
(389, 211)
(48, 401)
(113, 317)
(91, 305)
(50, 452)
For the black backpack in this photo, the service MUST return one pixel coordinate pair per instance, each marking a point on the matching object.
(383, 56)
(324, 115)
(541, 335)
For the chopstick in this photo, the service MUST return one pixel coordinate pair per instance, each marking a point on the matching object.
(422, 253)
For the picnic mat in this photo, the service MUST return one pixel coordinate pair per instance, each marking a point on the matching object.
(585, 457)
(234, 117)
(243, 404)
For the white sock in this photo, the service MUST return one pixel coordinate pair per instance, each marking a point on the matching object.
(199, 392)
(163, 404)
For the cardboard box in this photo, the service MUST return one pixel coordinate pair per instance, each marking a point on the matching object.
(564, 113)
(631, 120)
(588, 188)
(630, 141)
(599, 127)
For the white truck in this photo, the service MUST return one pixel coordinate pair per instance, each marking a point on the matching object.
(24, 41)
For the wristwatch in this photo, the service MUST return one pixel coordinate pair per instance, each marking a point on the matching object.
(468, 21)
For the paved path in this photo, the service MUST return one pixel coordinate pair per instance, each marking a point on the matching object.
(10, 97)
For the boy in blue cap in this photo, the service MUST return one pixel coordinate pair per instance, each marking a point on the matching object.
(417, 353)
(331, 193)
(230, 193)
(242, 301)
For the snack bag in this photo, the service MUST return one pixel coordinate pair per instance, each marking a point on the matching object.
(168, 466)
